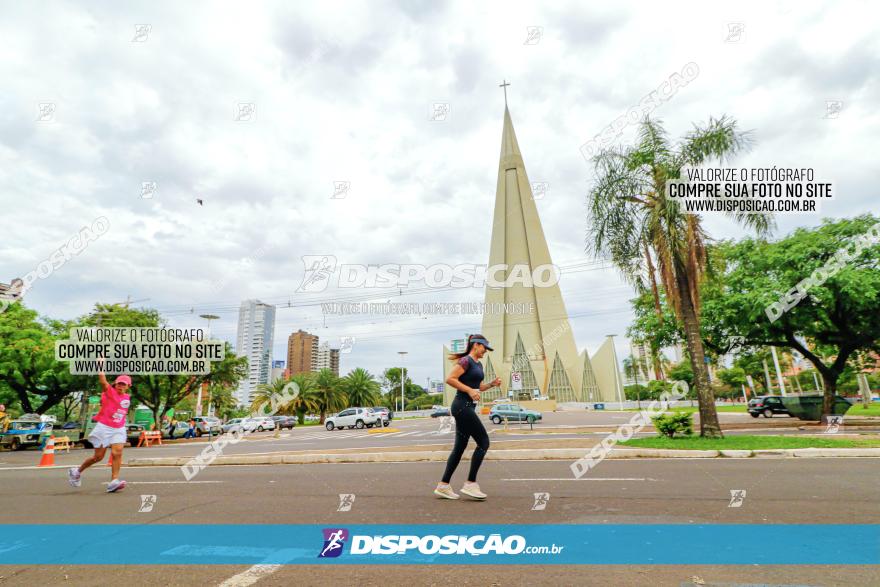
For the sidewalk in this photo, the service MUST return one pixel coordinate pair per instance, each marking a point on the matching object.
(564, 449)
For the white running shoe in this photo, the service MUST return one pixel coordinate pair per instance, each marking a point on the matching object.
(473, 490)
(116, 485)
(446, 492)
(74, 477)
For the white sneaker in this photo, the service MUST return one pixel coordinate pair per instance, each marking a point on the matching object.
(446, 492)
(473, 490)
(74, 477)
(116, 485)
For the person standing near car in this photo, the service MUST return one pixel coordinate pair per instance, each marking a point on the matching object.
(109, 430)
(4, 419)
(171, 427)
(467, 377)
(191, 431)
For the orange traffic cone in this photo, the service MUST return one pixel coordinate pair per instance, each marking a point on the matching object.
(48, 459)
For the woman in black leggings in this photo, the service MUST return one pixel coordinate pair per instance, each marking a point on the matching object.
(467, 378)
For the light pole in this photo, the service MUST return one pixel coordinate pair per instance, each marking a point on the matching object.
(402, 379)
(207, 317)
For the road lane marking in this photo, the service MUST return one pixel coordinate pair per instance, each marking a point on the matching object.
(164, 482)
(250, 576)
(582, 479)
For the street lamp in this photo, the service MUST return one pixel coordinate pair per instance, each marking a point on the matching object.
(207, 317)
(402, 379)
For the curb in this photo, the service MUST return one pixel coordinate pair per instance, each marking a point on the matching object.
(509, 455)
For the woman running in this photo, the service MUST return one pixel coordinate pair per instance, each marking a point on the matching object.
(109, 431)
(467, 377)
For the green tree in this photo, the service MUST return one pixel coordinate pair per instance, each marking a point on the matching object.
(308, 400)
(361, 388)
(28, 368)
(683, 372)
(629, 210)
(330, 393)
(654, 324)
(391, 386)
(734, 377)
(835, 320)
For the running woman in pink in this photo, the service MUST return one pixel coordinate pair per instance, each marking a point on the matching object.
(109, 431)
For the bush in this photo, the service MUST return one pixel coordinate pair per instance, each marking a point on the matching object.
(674, 422)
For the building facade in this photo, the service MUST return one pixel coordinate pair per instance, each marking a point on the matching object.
(302, 352)
(535, 353)
(256, 336)
(326, 358)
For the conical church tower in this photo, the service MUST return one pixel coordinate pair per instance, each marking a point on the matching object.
(535, 349)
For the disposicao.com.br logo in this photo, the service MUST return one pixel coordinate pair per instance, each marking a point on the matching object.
(431, 544)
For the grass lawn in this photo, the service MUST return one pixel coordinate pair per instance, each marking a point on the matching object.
(750, 442)
(854, 412)
(873, 409)
(693, 409)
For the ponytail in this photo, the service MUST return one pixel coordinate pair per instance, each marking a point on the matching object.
(467, 350)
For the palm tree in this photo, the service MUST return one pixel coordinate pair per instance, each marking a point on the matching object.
(632, 220)
(328, 391)
(361, 387)
(307, 400)
(266, 393)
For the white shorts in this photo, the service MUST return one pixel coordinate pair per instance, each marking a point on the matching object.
(103, 436)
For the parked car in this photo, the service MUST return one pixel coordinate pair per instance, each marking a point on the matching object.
(387, 415)
(133, 433)
(242, 423)
(206, 424)
(260, 423)
(440, 412)
(283, 422)
(767, 405)
(180, 429)
(353, 418)
(513, 413)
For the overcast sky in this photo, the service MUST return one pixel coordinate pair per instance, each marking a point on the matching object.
(344, 92)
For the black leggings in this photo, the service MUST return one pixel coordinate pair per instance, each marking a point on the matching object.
(467, 424)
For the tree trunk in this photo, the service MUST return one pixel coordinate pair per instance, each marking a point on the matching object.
(709, 425)
(323, 415)
(830, 384)
(658, 369)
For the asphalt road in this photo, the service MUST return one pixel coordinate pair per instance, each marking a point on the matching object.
(685, 491)
(411, 433)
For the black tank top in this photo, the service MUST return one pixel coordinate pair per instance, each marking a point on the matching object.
(473, 374)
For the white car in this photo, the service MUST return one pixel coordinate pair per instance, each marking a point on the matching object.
(353, 418)
(259, 424)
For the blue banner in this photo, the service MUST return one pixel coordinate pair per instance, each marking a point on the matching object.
(564, 544)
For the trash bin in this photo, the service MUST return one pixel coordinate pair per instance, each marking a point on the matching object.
(809, 407)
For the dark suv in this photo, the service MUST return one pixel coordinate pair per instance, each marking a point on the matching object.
(767, 405)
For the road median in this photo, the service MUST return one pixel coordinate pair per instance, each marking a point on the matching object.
(565, 454)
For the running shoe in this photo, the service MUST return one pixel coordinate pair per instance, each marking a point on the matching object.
(74, 477)
(446, 492)
(116, 485)
(473, 490)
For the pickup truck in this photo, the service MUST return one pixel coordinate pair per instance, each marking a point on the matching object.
(29, 431)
